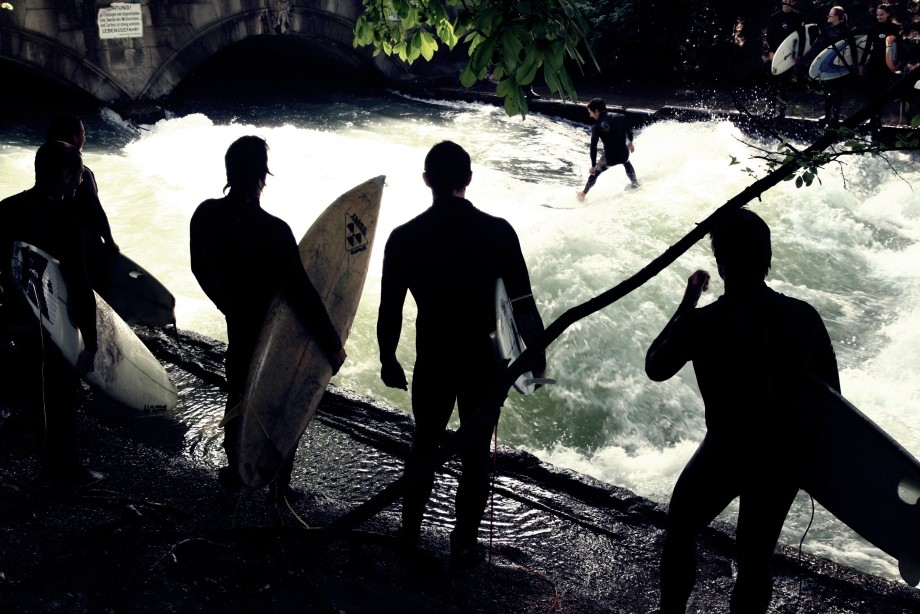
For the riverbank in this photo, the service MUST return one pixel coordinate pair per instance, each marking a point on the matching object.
(158, 533)
(646, 103)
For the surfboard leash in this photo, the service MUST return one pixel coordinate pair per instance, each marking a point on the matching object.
(492, 487)
(492, 549)
(41, 335)
(804, 533)
(294, 513)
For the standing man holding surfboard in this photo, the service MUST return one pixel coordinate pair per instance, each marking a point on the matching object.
(780, 25)
(39, 216)
(449, 258)
(752, 350)
(874, 62)
(242, 256)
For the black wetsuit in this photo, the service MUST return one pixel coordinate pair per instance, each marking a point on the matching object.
(242, 256)
(876, 74)
(86, 208)
(613, 130)
(833, 88)
(749, 351)
(449, 258)
(52, 384)
(779, 26)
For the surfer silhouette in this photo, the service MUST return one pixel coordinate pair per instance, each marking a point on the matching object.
(242, 256)
(39, 217)
(751, 350)
(616, 135)
(780, 25)
(449, 257)
(86, 206)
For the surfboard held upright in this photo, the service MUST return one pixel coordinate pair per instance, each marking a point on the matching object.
(289, 370)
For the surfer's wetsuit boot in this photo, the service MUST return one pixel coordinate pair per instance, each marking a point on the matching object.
(280, 488)
(464, 552)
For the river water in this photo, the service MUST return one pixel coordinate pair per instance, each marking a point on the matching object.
(848, 244)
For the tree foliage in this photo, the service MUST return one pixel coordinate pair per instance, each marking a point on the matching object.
(513, 40)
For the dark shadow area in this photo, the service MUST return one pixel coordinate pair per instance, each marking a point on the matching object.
(266, 69)
(29, 99)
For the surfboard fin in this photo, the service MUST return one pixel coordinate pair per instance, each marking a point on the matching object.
(908, 491)
(910, 570)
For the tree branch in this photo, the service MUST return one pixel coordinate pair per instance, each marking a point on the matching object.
(487, 414)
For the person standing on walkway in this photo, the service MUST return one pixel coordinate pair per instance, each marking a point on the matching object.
(242, 257)
(873, 66)
(751, 351)
(87, 206)
(780, 25)
(449, 257)
(616, 134)
(834, 31)
(39, 217)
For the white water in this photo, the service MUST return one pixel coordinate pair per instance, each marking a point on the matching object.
(849, 246)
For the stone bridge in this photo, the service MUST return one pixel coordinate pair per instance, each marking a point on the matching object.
(139, 50)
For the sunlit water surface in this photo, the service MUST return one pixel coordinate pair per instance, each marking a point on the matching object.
(848, 245)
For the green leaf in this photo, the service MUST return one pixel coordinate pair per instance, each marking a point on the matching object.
(428, 45)
(517, 38)
(467, 76)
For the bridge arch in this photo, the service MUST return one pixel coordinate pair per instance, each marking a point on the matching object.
(326, 36)
(41, 55)
(61, 41)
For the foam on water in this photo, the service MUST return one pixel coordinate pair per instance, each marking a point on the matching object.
(848, 245)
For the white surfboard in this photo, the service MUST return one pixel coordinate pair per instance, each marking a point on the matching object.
(289, 370)
(838, 60)
(787, 54)
(124, 368)
(508, 339)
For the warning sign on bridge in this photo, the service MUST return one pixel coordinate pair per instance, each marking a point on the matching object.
(121, 20)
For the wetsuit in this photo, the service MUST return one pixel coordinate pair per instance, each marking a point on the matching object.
(876, 74)
(614, 131)
(242, 256)
(833, 88)
(36, 218)
(449, 258)
(779, 26)
(86, 208)
(749, 351)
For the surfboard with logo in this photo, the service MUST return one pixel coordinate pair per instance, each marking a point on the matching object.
(862, 476)
(787, 54)
(124, 368)
(289, 370)
(838, 60)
